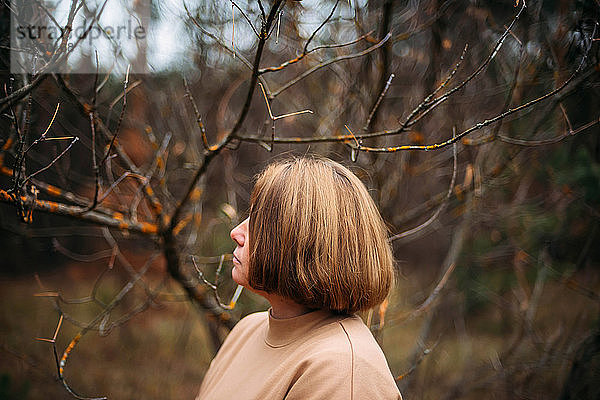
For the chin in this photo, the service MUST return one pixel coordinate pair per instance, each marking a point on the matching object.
(237, 278)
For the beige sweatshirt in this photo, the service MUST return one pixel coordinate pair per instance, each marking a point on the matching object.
(317, 355)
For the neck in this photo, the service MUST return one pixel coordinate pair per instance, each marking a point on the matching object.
(282, 308)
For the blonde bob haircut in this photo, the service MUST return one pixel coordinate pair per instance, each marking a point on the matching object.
(317, 238)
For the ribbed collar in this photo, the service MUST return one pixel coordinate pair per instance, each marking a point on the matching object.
(282, 332)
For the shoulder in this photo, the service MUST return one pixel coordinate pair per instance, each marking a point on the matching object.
(323, 365)
(353, 336)
(372, 377)
(342, 360)
(343, 335)
(361, 339)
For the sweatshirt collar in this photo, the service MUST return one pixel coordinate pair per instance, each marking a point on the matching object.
(282, 332)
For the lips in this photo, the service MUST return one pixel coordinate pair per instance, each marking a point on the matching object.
(236, 260)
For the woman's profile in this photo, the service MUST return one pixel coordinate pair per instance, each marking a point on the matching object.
(316, 247)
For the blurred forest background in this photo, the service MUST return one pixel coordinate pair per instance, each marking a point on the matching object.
(474, 124)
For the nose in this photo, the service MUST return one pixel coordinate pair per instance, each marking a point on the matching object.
(239, 233)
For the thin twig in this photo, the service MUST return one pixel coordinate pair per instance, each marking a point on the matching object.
(482, 124)
(214, 150)
(329, 62)
(545, 142)
(156, 161)
(304, 50)
(214, 286)
(125, 174)
(43, 136)
(188, 94)
(60, 363)
(301, 56)
(418, 361)
(92, 117)
(441, 207)
(112, 141)
(434, 103)
(73, 140)
(386, 132)
(379, 99)
(100, 126)
(234, 4)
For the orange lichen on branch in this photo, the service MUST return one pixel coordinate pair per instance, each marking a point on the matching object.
(50, 206)
(7, 144)
(115, 220)
(154, 202)
(6, 171)
(182, 224)
(50, 189)
(53, 190)
(5, 147)
(196, 193)
(282, 66)
(401, 376)
(147, 227)
(68, 350)
(88, 108)
(5, 196)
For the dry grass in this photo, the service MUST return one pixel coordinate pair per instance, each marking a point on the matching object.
(160, 354)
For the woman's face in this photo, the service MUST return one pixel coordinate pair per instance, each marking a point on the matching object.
(239, 234)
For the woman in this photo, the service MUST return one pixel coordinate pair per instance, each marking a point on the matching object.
(316, 248)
